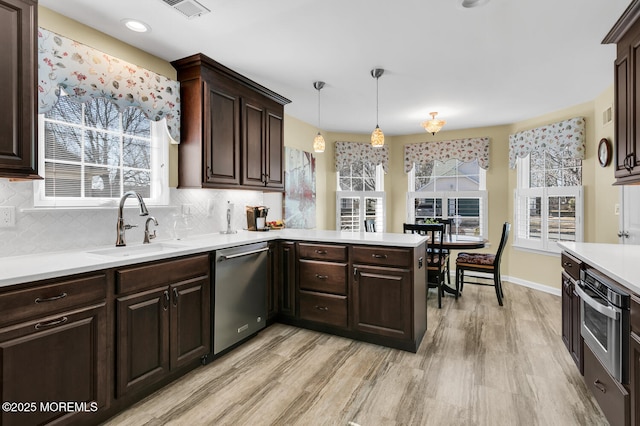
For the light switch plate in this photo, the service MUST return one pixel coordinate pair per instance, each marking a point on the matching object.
(7, 216)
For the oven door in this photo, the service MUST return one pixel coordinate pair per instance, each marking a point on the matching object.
(601, 329)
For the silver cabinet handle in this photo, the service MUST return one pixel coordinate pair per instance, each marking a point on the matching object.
(600, 386)
(322, 277)
(41, 325)
(51, 299)
(321, 308)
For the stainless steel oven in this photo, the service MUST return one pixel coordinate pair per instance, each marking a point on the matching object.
(604, 316)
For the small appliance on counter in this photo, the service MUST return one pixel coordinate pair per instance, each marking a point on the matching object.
(257, 218)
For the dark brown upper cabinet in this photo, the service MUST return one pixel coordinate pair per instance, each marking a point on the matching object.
(231, 129)
(18, 145)
(626, 35)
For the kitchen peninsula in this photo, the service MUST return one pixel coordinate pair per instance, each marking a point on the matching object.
(90, 303)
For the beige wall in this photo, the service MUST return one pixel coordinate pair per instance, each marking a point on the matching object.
(601, 224)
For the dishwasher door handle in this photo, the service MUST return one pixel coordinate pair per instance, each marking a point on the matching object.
(245, 253)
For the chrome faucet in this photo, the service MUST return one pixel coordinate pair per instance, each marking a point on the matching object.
(148, 237)
(120, 226)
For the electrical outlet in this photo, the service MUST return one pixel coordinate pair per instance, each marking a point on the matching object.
(7, 216)
(186, 209)
(210, 205)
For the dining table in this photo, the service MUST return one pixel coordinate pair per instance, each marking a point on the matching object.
(460, 242)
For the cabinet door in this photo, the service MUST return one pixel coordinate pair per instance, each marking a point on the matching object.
(622, 112)
(634, 377)
(275, 150)
(190, 321)
(75, 343)
(142, 339)
(381, 301)
(287, 279)
(576, 335)
(253, 146)
(567, 294)
(18, 147)
(273, 282)
(222, 136)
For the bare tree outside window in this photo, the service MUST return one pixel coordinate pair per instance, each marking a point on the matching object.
(93, 150)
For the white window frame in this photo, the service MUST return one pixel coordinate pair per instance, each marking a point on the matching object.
(481, 194)
(159, 173)
(362, 196)
(521, 217)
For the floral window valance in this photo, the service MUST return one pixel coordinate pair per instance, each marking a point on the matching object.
(85, 73)
(464, 150)
(564, 136)
(356, 152)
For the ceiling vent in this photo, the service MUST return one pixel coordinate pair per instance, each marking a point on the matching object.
(189, 8)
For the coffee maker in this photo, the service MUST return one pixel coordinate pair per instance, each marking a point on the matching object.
(257, 218)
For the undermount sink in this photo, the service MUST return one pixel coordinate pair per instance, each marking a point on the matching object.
(143, 249)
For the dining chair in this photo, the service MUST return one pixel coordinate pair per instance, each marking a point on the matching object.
(369, 225)
(435, 255)
(448, 224)
(487, 263)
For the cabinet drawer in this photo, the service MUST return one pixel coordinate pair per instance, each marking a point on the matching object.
(327, 277)
(158, 274)
(571, 265)
(385, 256)
(322, 252)
(48, 299)
(635, 314)
(324, 308)
(611, 396)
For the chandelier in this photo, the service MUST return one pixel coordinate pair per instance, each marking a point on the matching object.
(433, 126)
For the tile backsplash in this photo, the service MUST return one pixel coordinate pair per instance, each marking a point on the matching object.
(47, 230)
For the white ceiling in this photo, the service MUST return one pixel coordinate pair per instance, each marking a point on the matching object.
(507, 61)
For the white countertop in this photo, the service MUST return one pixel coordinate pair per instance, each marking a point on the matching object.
(618, 261)
(22, 269)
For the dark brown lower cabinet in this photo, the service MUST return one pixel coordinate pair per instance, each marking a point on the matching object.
(612, 397)
(382, 300)
(571, 335)
(60, 358)
(287, 275)
(634, 377)
(273, 271)
(160, 330)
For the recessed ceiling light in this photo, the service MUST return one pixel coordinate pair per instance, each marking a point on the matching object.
(135, 25)
(473, 3)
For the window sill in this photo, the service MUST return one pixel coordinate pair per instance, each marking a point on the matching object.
(552, 253)
(49, 209)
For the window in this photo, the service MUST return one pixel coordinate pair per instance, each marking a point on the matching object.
(548, 201)
(449, 189)
(360, 196)
(91, 153)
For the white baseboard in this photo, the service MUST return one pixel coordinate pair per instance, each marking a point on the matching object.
(524, 283)
(535, 286)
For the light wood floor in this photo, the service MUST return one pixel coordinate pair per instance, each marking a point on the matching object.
(479, 364)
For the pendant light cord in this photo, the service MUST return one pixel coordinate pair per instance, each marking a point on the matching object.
(318, 109)
(377, 103)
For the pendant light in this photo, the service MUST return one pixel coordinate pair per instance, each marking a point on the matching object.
(377, 137)
(433, 126)
(318, 141)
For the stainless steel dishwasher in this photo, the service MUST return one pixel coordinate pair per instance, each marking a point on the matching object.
(240, 295)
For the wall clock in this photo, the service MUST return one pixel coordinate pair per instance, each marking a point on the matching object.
(604, 152)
